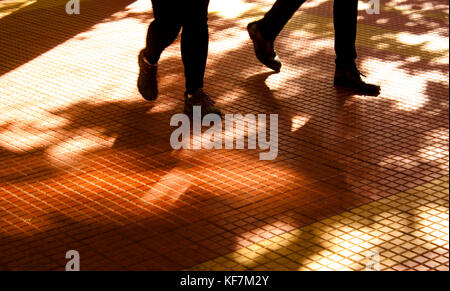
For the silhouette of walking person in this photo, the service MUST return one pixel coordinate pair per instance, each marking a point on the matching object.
(264, 32)
(170, 17)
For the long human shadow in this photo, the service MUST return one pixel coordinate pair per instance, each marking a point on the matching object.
(37, 28)
(156, 242)
(185, 235)
(200, 225)
(193, 230)
(190, 232)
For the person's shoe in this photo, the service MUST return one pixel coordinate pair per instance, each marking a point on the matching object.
(148, 80)
(351, 79)
(200, 98)
(264, 49)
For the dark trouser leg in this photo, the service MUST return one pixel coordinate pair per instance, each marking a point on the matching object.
(164, 29)
(274, 20)
(194, 42)
(345, 26)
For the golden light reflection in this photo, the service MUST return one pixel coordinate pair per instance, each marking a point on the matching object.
(164, 188)
(299, 121)
(65, 153)
(408, 91)
(230, 8)
(8, 7)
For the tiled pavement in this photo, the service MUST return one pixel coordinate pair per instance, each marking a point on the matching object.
(392, 233)
(86, 164)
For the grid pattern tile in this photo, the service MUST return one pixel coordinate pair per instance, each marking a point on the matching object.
(86, 163)
(392, 233)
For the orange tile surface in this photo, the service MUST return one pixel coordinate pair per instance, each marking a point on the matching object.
(86, 163)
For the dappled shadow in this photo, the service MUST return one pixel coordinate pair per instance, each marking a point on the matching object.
(399, 34)
(110, 186)
(37, 28)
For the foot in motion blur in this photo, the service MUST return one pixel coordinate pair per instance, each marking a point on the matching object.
(147, 80)
(264, 49)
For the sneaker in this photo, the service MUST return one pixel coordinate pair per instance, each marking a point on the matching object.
(148, 80)
(264, 49)
(200, 98)
(351, 79)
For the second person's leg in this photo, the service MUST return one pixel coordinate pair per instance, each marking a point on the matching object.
(264, 32)
(277, 17)
(194, 43)
(347, 74)
(194, 50)
(345, 26)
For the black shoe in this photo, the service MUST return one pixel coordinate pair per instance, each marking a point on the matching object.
(148, 80)
(264, 49)
(200, 98)
(351, 79)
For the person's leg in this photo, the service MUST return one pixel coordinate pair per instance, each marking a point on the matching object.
(194, 43)
(277, 17)
(164, 29)
(264, 32)
(345, 27)
(347, 74)
(194, 50)
(162, 32)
